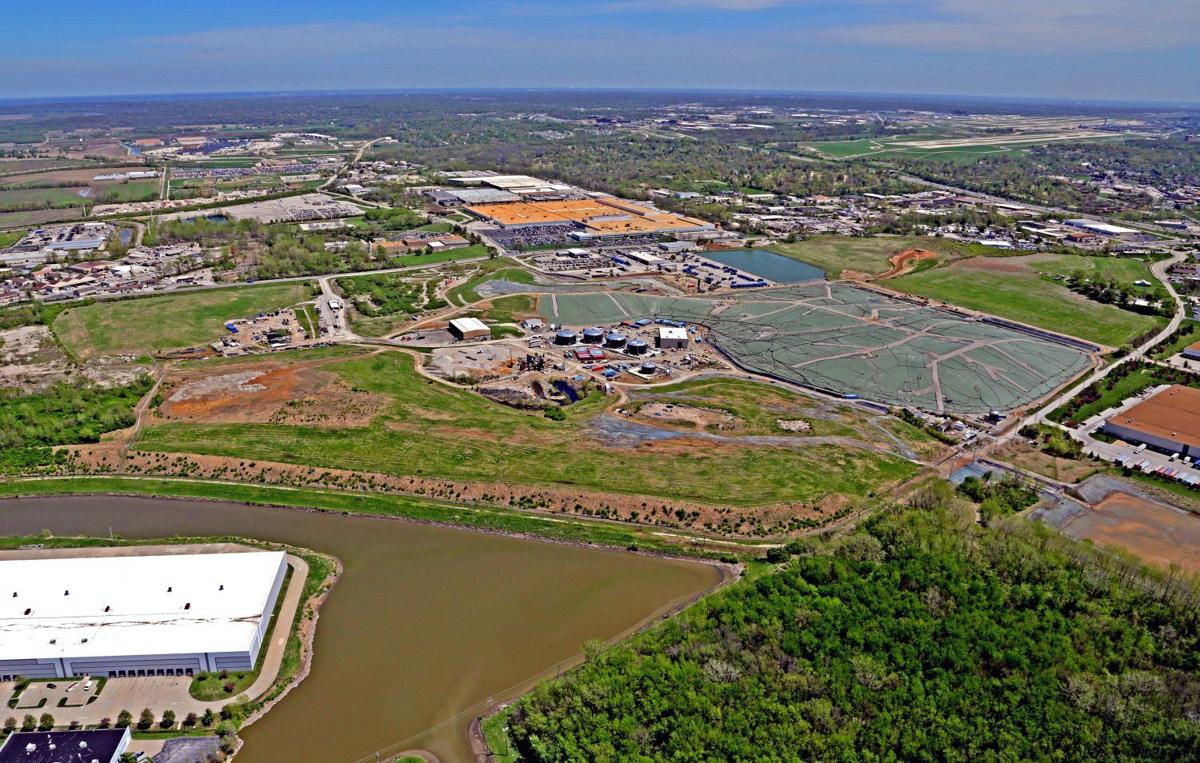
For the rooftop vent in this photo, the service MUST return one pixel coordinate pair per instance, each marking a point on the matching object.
(28, 610)
(188, 605)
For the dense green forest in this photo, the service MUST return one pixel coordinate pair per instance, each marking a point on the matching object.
(67, 413)
(922, 636)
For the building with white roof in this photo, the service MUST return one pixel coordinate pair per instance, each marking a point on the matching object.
(469, 328)
(672, 338)
(177, 614)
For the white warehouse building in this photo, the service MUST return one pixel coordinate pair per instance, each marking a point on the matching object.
(177, 614)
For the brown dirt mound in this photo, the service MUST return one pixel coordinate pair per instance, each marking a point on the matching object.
(273, 394)
(904, 262)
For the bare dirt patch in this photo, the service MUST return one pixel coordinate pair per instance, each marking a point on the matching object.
(1160, 534)
(479, 361)
(1021, 263)
(688, 416)
(793, 425)
(904, 262)
(293, 394)
(1062, 469)
(30, 360)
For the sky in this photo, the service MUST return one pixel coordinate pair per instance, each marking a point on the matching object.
(1130, 50)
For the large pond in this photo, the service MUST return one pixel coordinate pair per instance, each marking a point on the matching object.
(765, 264)
(426, 625)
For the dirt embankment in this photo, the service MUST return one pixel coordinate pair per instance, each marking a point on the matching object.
(726, 521)
(901, 262)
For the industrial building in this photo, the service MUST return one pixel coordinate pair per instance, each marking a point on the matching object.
(599, 216)
(672, 338)
(469, 328)
(1104, 229)
(177, 614)
(94, 746)
(1168, 421)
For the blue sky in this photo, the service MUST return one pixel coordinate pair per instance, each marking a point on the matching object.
(1092, 49)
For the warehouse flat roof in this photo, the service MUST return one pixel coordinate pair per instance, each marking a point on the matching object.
(64, 746)
(109, 606)
(606, 214)
(1173, 414)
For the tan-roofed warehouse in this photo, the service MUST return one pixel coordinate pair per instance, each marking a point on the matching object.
(1168, 421)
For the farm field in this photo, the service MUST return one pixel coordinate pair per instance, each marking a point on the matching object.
(52, 197)
(13, 167)
(138, 326)
(1011, 288)
(34, 217)
(835, 254)
(432, 430)
(79, 175)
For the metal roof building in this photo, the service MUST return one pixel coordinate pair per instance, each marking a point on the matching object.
(469, 328)
(1170, 421)
(175, 614)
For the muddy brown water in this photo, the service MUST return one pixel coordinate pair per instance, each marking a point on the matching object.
(425, 626)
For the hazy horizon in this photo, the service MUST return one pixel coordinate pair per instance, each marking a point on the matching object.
(1121, 50)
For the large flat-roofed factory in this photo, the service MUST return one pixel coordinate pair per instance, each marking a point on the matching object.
(176, 614)
(1168, 421)
(526, 209)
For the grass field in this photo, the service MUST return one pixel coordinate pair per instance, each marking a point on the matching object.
(868, 255)
(40, 216)
(1125, 270)
(506, 309)
(1020, 294)
(151, 324)
(56, 197)
(758, 409)
(465, 253)
(432, 430)
(8, 238)
(493, 270)
(116, 193)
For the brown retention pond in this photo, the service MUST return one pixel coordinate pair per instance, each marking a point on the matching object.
(425, 624)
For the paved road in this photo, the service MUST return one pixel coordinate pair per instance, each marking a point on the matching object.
(1039, 416)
